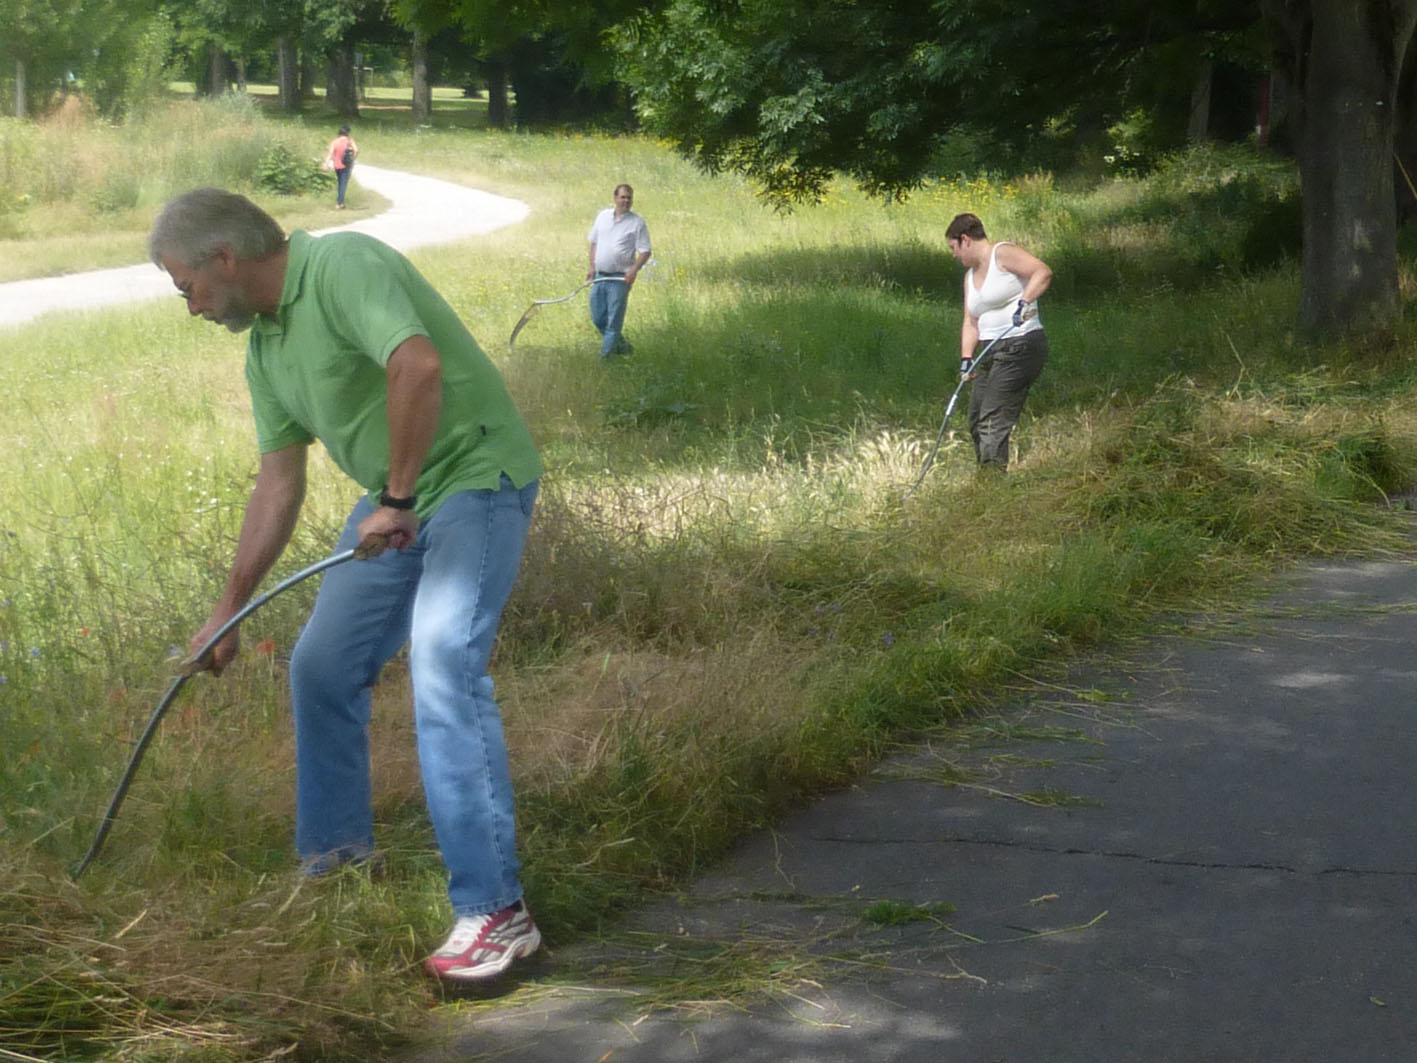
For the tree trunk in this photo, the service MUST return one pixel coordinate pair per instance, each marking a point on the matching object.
(21, 90)
(287, 74)
(1348, 91)
(1198, 127)
(422, 91)
(341, 93)
(216, 70)
(307, 75)
(1405, 141)
(497, 109)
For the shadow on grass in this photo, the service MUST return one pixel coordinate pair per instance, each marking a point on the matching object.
(912, 268)
(384, 107)
(827, 339)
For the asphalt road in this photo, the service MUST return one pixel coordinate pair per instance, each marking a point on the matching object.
(1207, 852)
(424, 211)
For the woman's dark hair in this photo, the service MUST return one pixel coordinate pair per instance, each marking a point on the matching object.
(344, 130)
(966, 225)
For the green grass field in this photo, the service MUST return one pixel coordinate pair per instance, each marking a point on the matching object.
(725, 605)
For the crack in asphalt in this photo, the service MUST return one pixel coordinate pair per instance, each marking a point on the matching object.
(1200, 865)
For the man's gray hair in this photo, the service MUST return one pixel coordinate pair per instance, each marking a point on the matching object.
(194, 225)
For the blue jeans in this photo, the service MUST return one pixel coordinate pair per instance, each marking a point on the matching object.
(607, 313)
(444, 595)
(341, 183)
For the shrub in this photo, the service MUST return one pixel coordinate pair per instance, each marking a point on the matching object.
(282, 171)
(117, 191)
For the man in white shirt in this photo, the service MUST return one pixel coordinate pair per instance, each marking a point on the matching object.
(619, 246)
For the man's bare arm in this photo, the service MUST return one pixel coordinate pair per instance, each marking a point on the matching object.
(415, 400)
(270, 518)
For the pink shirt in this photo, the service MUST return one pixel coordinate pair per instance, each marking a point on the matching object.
(337, 147)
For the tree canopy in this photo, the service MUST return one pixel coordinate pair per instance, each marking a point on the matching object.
(788, 92)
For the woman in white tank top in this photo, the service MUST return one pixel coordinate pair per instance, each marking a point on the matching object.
(1002, 283)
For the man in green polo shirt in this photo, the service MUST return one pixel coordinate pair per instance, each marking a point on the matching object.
(351, 346)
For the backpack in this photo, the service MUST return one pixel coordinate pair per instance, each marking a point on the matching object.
(347, 159)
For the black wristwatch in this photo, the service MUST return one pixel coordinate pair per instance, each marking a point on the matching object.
(386, 499)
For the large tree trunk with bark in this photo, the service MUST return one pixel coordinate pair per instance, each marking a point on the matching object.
(1345, 58)
(498, 111)
(422, 91)
(341, 91)
(307, 75)
(216, 70)
(288, 74)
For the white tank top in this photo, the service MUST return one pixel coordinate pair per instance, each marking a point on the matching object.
(995, 301)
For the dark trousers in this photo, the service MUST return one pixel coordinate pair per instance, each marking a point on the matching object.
(999, 391)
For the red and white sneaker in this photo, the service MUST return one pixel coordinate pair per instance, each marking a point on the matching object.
(483, 946)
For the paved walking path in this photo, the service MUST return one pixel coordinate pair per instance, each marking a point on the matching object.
(425, 211)
(1206, 854)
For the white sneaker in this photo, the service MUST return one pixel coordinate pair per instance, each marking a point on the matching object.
(484, 946)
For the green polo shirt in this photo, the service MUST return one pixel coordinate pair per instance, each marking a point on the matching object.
(317, 371)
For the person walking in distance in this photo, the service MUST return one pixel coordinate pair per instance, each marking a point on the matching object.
(619, 247)
(1002, 283)
(351, 346)
(340, 157)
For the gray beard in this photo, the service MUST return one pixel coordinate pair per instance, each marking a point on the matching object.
(238, 320)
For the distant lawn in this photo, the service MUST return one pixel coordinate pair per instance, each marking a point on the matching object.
(68, 211)
(82, 195)
(451, 108)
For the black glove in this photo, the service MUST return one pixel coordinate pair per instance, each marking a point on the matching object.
(1023, 312)
(966, 366)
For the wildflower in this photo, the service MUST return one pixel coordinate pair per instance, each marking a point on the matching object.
(34, 651)
(4, 679)
(83, 631)
(888, 639)
(266, 647)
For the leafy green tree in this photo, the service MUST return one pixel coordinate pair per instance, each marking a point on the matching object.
(553, 54)
(424, 21)
(791, 92)
(39, 44)
(130, 66)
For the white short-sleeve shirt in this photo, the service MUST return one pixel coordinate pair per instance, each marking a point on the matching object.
(618, 241)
